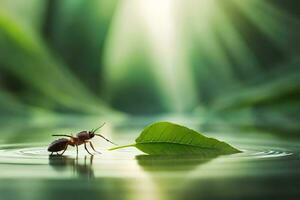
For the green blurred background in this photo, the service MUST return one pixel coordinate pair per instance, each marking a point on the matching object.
(224, 63)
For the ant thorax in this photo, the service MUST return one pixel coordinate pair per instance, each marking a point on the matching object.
(83, 135)
(73, 141)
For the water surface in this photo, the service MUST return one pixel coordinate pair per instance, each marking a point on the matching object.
(267, 168)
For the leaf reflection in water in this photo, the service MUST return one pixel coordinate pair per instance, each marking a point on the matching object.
(172, 162)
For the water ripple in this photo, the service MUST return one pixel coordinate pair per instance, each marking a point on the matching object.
(19, 154)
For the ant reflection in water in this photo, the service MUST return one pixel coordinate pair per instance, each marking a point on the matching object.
(81, 169)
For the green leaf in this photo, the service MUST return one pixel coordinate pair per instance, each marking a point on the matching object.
(165, 138)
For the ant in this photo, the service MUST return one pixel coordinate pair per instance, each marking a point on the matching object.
(81, 138)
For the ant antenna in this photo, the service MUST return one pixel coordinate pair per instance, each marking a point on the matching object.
(105, 139)
(94, 130)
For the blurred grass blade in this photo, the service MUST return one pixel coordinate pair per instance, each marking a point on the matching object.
(23, 53)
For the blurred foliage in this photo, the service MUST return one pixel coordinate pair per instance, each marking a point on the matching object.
(230, 62)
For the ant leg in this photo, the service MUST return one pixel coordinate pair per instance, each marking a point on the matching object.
(76, 150)
(70, 136)
(87, 149)
(84, 161)
(51, 154)
(93, 147)
(64, 150)
(91, 159)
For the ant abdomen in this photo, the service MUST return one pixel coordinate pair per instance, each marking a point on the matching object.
(58, 145)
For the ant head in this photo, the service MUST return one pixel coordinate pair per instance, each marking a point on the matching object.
(92, 132)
